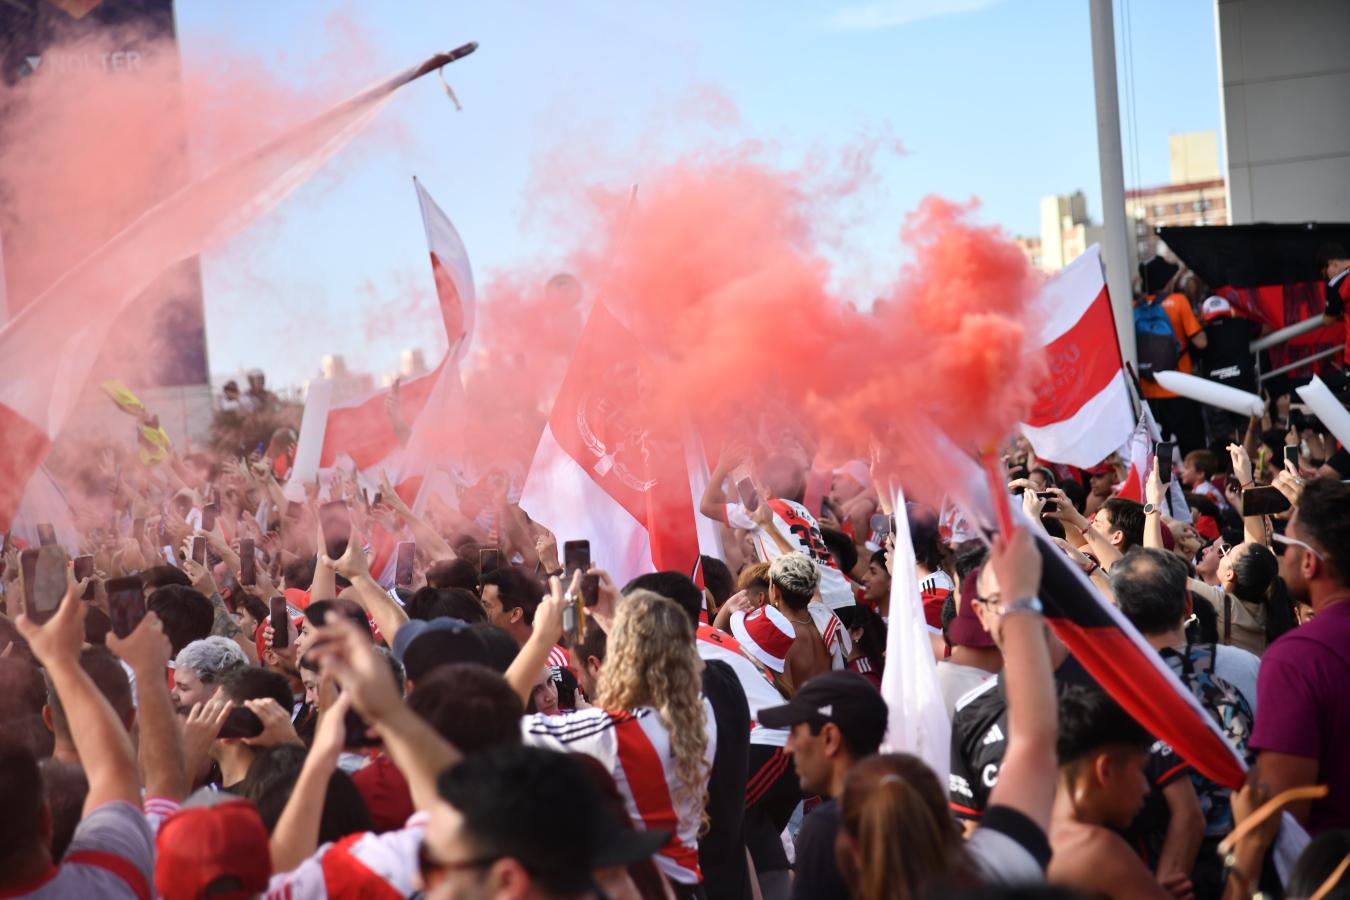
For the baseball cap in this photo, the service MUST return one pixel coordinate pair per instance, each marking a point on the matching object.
(965, 630)
(1104, 468)
(845, 698)
(215, 846)
(766, 633)
(1215, 308)
(413, 629)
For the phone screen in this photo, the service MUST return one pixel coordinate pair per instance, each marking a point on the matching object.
(1291, 454)
(749, 496)
(1263, 501)
(881, 524)
(199, 550)
(337, 528)
(126, 604)
(1051, 501)
(248, 572)
(487, 560)
(1163, 454)
(281, 626)
(49, 584)
(403, 565)
(576, 557)
(46, 534)
(137, 528)
(209, 513)
(28, 566)
(590, 589)
(824, 507)
(84, 567)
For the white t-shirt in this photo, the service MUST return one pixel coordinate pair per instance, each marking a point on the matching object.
(760, 692)
(802, 531)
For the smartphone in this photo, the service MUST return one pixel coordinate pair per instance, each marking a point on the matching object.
(1162, 452)
(881, 525)
(209, 513)
(293, 510)
(574, 622)
(576, 557)
(337, 527)
(590, 589)
(281, 624)
(49, 584)
(1291, 455)
(749, 496)
(126, 604)
(138, 527)
(358, 731)
(1263, 501)
(377, 499)
(28, 567)
(403, 563)
(1051, 501)
(199, 550)
(46, 534)
(84, 567)
(241, 722)
(487, 560)
(248, 567)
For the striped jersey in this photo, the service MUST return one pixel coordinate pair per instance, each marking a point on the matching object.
(361, 866)
(801, 530)
(635, 747)
(760, 692)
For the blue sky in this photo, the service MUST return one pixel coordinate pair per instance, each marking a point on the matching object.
(989, 99)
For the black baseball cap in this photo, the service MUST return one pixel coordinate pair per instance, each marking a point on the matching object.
(845, 698)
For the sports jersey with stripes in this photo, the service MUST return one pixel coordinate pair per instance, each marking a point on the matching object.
(759, 690)
(801, 530)
(362, 866)
(635, 747)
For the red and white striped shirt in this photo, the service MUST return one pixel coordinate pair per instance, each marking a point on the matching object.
(635, 747)
(362, 866)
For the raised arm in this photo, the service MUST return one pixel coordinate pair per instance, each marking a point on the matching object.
(428, 538)
(547, 629)
(1028, 776)
(101, 740)
(1153, 522)
(163, 762)
(388, 616)
(416, 748)
(714, 499)
(296, 835)
(1253, 527)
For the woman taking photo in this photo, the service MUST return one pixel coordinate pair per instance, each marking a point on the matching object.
(650, 724)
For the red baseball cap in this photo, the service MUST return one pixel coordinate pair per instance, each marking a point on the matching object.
(223, 845)
(965, 630)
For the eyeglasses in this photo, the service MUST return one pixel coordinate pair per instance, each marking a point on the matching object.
(434, 872)
(1294, 542)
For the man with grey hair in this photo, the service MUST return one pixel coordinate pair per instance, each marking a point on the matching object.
(793, 580)
(201, 666)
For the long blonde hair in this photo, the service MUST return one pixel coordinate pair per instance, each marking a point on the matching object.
(651, 660)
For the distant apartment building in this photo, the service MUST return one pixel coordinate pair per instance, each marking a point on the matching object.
(1195, 195)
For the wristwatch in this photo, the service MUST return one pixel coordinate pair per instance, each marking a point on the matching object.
(1026, 604)
(1150, 509)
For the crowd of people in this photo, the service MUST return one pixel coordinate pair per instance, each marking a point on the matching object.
(223, 691)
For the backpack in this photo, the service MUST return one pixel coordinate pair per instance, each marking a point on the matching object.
(1230, 710)
(1155, 341)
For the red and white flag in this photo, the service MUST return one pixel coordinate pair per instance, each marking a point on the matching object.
(608, 468)
(361, 429)
(50, 347)
(1083, 410)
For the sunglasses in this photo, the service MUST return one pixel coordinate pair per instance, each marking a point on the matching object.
(1286, 541)
(434, 872)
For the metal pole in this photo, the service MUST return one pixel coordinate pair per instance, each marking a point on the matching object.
(1288, 333)
(1118, 249)
(1305, 361)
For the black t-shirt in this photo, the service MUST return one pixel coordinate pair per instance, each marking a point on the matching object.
(1228, 357)
(721, 850)
(1149, 828)
(980, 738)
(817, 876)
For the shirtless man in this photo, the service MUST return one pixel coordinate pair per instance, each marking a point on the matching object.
(793, 579)
(1102, 753)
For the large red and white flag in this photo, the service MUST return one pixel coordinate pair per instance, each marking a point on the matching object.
(1083, 410)
(608, 468)
(361, 430)
(50, 347)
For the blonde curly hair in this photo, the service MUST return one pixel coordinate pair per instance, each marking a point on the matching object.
(651, 660)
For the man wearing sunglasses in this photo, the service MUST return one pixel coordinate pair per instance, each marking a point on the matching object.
(1303, 729)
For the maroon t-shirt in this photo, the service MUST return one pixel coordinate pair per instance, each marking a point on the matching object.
(1303, 707)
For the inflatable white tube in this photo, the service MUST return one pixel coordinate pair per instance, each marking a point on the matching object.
(313, 424)
(1326, 407)
(1212, 393)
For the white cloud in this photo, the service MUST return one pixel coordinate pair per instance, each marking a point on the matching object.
(894, 13)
